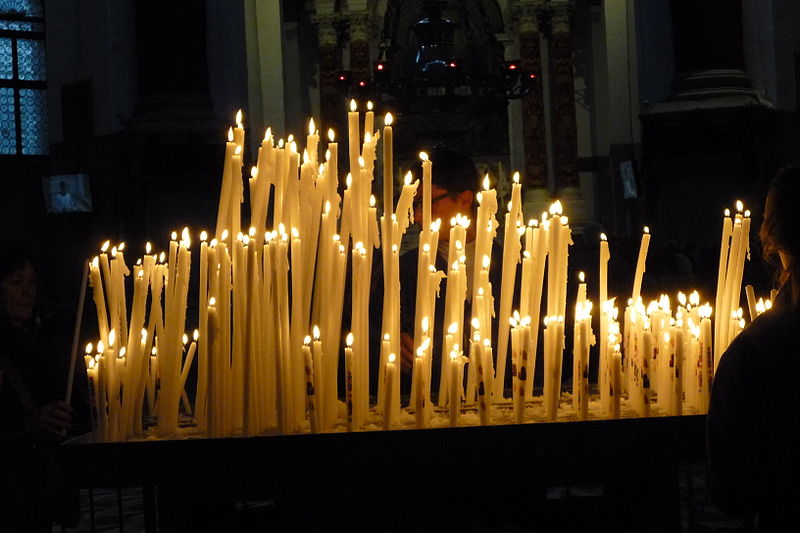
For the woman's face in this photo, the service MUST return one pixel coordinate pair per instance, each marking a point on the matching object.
(18, 294)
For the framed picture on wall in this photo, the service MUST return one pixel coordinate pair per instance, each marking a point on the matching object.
(67, 193)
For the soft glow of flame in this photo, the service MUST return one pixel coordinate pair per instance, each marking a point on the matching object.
(408, 178)
(268, 134)
(555, 208)
(104, 247)
(581, 277)
(425, 325)
(331, 135)
(349, 340)
(369, 105)
(239, 118)
(646, 229)
(112, 337)
(295, 233)
(423, 156)
(372, 200)
(212, 301)
(196, 335)
(89, 348)
(603, 237)
(727, 212)
(387, 119)
(312, 129)
(315, 332)
(307, 340)
(453, 328)
(486, 182)
(230, 134)
(100, 347)
(353, 106)
(367, 137)
(185, 338)
(348, 180)
(739, 206)
(360, 161)
(173, 236)
(453, 355)
(515, 178)
(392, 358)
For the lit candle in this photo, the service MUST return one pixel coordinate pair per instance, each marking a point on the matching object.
(348, 363)
(311, 397)
(388, 166)
(455, 389)
(388, 401)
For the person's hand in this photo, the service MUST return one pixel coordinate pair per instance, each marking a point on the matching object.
(406, 352)
(56, 418)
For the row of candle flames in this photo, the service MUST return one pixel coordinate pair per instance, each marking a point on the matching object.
(259, 371)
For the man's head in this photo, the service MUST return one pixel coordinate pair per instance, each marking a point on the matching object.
(454, 182)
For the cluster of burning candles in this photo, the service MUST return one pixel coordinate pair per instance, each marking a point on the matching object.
(267, 344)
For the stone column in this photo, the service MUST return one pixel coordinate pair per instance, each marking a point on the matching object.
(331, 101)
(533, 118)
(565, 130)
(361, 25)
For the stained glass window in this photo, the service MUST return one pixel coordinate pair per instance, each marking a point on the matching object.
(23, 75)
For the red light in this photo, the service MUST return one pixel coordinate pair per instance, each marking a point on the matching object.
(362, 84)
(380, 66)
(452, 65)
(533, 76)
(341, 78)
(512, 66)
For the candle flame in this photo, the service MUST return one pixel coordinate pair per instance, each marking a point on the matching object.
(331, 136)
(486, 182)
(348, 180)
(369, 105)
(173, 236)
(306, 157)
(646, 229)
(196, 335)
(392, 358)
(372, 200)
(727, 212)
(239, 118)
(747, 213)
(739, 205)
(486, 261)
(295, 233)
(367, 137)
(100, 347)
(230, 134)
(424, 324)
(603, 237)
(203, 236)
(268, 134)
(185, 338)
(453, 328)
(122, 352)
(353, 106)
(361, 161)
(315, 332)
(104, 247)
(311, 128)
(349, 340)
(112, 337)
(89, 348)
(423, 156)
(307, 340)
(516, 177)
(387, 119)
(581, 277)
(453, 354)
(254, 171)
(555, 208)
(408, 178)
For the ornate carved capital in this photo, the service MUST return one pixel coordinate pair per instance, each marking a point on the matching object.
(561, 12)
(528, 15)
(327, 29)
(362, 25)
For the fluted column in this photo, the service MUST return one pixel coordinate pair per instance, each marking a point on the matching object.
(533, 119)
(331, 103)
(565, 132)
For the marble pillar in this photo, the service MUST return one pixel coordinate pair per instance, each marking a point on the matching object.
(565, 131)
(361, 27)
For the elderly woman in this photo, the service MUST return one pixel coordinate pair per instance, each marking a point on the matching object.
(754, 416)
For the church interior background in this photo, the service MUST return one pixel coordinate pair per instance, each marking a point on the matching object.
(632, 112)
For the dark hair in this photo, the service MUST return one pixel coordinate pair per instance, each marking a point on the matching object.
(452, 171)
(13, 257)
(780, 230)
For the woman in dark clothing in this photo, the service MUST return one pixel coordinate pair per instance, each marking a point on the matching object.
(33, 414)
(754, 416)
